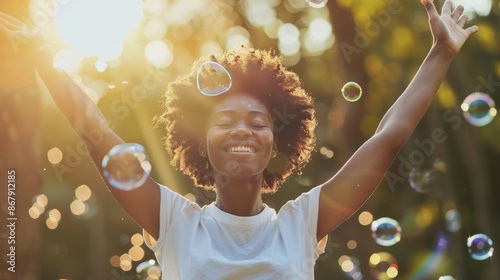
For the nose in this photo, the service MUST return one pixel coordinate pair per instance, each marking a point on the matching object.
(240, 131)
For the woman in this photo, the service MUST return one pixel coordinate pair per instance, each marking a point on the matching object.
(232, 151)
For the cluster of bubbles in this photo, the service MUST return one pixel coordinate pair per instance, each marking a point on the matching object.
(479, 109)
(126, 166)
(352, 91)
(386, 231)
(213, 79)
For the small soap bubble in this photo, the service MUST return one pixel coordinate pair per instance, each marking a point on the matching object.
(126, 166)
(386, 231)
(317, 3)
(426, 179)
(352, 91)
(148, 270)
(480, 246)
(213, 79)
(479, 109)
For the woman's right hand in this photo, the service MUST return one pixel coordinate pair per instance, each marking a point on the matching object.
(22, 48)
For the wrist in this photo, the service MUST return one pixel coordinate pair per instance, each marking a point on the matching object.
(443, 51)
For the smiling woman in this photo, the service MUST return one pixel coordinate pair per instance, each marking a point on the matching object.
(227, 143)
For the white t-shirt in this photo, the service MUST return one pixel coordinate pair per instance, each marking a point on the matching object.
(207, 243)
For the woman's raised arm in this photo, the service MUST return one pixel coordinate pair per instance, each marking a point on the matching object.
(19, 62)
(347, 190)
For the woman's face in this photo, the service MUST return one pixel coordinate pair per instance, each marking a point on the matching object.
(239, 140)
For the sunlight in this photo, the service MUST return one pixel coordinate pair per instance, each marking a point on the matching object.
(475, 7)
(98, 27)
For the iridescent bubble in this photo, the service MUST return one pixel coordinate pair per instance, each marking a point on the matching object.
(480, 246)
(386, 231)
(213, 79)
(148, 270)
(126, 166)
(352, 91)
(479, 109)
(317, 3)
(426, 179)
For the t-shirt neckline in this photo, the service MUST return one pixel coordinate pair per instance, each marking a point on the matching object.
(225, 217)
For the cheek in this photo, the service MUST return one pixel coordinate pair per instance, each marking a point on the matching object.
(267, 136)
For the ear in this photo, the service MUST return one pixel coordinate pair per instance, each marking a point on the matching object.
(202, 148)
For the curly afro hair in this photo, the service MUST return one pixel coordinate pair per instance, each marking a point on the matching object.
(256, 72)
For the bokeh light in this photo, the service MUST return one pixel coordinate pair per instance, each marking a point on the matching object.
(148, 270)
(54, 155)
(77, 207)
(386, 231)
(365, 218)
(213, 79)
(480, 246)
(83, 192)
(383, 266)
(126, 166)
(453, 220)
(479, 109)
(158, 54)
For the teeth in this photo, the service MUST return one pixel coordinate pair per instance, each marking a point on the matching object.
(240, 149)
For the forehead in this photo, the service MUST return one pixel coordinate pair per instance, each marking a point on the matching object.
(240, 103)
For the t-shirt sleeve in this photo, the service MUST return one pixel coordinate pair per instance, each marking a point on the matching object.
(171, 206)
(306, 207)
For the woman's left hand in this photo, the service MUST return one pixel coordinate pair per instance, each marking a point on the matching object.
(448, 28)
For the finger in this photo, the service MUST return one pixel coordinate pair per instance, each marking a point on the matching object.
(455, 15)
(431, 9)
(462, 20)
(471, 30)
(446, 8)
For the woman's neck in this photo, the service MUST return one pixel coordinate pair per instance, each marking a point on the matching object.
(240, 197)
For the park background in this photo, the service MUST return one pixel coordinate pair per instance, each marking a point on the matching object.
(124, 53)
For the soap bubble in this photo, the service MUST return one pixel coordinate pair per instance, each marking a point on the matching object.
(317, 3)
(446, 277)
(479, 109)
(426, 180)
(352, 91)
(126, 166)
(213, 79)
(480, 246)
(386, 231)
